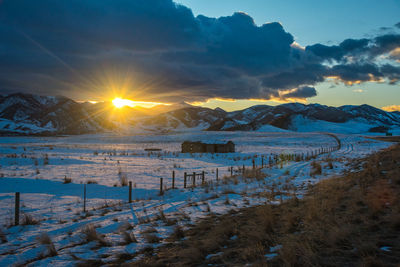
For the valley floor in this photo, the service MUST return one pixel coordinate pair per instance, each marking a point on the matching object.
(50, 174)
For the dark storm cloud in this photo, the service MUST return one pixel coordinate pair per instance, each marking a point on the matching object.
(337, 52)
(302, 92)
(359, 48)
(397, 25)
(69, 47)
(291, 78)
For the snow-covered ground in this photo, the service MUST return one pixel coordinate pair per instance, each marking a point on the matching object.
(38, 166)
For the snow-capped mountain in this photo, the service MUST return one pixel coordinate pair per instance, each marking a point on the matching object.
(30, 114)
(293, 116)
(185, 118)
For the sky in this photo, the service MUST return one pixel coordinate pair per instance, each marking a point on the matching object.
(229, 54)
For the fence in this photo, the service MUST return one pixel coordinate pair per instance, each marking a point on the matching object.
(265, 161)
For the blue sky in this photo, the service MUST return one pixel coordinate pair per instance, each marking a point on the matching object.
(230, 54)
(310, 21)
(313, 21)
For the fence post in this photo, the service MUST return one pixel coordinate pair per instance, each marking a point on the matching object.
(173, 179)
(130, 191)
(194, 179)
(202, 177)
(84, 198)
(161, 186)
(243, 169)
(184, 180)
(254, 164)
(216, 174)
(262, 162)
(16, 208)
(231, 171)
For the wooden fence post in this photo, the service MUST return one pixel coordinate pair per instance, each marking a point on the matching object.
(262, 162)
(231, 171)
(84, 198)
(194, 179)
(16, 208)
(216, 174)
(202, 177)
(254, 164)
(243, 169)
(130, 191)
(184, 180)
(161, 186)
(173, 179)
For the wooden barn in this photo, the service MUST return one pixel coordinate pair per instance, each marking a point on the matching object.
(200, 147)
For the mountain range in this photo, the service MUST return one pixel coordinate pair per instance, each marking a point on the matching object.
(26, 114)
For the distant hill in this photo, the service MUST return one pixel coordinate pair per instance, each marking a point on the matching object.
(48, 115)
(293, 117)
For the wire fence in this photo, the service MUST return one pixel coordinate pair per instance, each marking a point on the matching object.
(84, 194)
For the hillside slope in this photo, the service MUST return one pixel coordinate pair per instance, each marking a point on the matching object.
(347, 221)
(49, 115)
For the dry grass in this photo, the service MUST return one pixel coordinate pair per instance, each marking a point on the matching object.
(3, 237)
(340, 222)
(178, 233)
(254, 174)
(128, 237)
(44, 239)
(67, 180)
(90, 234)
(151, 238)
(316, 168)
(29, 220)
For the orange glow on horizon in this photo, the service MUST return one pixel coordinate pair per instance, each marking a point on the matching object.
(120, 103)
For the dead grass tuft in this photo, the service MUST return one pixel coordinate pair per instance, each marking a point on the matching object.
(44, 239)
(178, 233)
(29, 220)
(254, 174)
(90, 234)
(67, 180)
(151, 238)
(316, 168)
(128, 237)
(380, 195)
(3, 237)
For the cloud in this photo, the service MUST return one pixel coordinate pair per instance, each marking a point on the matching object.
(397, 25)
(158, 50)
(337, 52)
(392, 108)
(395, 54)
(301, 93)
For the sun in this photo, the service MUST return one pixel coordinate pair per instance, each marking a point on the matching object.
(120, 103)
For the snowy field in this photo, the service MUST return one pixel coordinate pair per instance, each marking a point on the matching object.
(39, 166)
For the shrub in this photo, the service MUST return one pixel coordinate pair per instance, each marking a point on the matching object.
(44, 239)
(151, 238)
(46, 159)
(178, 233)
(316, 168)
(67, 180)
(3, 237)
(123, 179)
(128, 237)
(29, 220)
(90, 234)
(254, 174)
